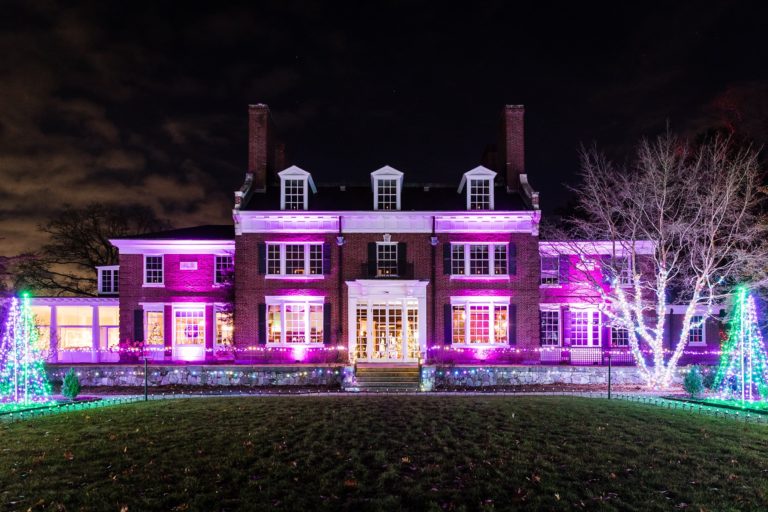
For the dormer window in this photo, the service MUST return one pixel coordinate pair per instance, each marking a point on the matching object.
(479, 185)
(294, 188)
(387, 185)
(107, 279)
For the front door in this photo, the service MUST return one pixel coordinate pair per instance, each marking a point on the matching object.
(387, 330)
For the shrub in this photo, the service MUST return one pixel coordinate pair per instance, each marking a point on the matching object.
(708, 376)
(70, 388)
(693, 383)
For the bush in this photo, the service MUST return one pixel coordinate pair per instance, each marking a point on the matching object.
(70, 388)
(708, 376)
(693, 383)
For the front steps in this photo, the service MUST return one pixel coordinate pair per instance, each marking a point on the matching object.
(387, 378)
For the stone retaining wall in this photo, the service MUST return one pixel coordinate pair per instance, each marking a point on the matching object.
(437, 377)
(202, 375)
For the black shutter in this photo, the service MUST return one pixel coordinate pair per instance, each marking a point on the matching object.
(262, 324)
(262, 261)
(371, 259)
(512, 258)
(138, 325)
(564, 264)
(447, 324)
(512, 326)
(402, 260)
(326, 258)
(447, 259)
(327, 323)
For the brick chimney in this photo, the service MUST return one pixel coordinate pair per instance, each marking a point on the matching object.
(259, 144)
(512, 147)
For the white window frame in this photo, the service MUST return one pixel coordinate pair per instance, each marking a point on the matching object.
(491, 303)
(154, 308)
(216, 280)
(613, 333)
(189, 308)
(380, 245)
(559, 314)
(296, 173)
(115, 270)
(282, 302)
(702, 326)
(625, 271)
(491, 248)
(222, 309)
(162, 270)
(556, 271)
(307, 261)
(387, 173)
(591, 341)
(478, 174)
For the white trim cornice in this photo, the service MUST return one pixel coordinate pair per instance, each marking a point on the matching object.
(173, 246)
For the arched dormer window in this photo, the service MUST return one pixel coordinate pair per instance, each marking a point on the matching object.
(387, 185)
(479, 185)
(294, 188)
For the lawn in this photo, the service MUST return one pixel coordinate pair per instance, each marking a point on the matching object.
(383, 453)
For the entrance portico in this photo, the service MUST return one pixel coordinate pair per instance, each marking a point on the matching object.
(387, 320)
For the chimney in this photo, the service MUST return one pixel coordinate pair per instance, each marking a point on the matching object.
(512, 148)
(258, 144)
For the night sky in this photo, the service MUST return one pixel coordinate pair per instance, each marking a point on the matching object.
(146, 103)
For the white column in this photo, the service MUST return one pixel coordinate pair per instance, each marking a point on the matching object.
(53, 338)
(404, 327)
(95, 345)
(369, 333)
(422, 319)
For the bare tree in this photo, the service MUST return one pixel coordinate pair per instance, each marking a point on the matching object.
(78, 243)
(698, 205)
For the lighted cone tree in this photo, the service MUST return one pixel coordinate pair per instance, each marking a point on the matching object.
(22, 371)
(742, 372)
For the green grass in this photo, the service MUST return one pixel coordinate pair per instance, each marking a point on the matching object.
(383, 453)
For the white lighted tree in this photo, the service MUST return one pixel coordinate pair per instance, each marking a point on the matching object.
(698, 205)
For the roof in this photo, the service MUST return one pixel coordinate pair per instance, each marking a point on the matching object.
(209, 232)
(414, 197)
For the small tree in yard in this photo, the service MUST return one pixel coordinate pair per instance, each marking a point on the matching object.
(693, 383)
(698, 207)
(70, 388)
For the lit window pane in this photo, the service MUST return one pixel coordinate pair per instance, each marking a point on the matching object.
(190, 327)
(275, 325)
(155, 328)
(74, 315)
(109, 315)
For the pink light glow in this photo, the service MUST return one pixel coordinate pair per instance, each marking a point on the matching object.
(299, 352)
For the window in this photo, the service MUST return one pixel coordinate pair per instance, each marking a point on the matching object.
(550, 270)
(75, 327)
(480, 194)
(550, 328)
(696, 334)
(624, 271)
(294, 194)
(190, 327)
(154, 328)
(479, 322)
(386, 259)
(386, 194)
(284, 259)
(109, 327)
(224, 269)
(619, 336)
(41, 315)
(585, 328)
(108, 278)
(294, 322)
(224, 329)
(153, 270)
(479, 259)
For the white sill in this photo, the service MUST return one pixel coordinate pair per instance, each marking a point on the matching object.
(551, 285)
(697, 344)
(153, 285)
(481, 345)
(296, 277)
(300, 344)
(479, 277)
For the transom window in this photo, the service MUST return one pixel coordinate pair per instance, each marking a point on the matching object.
(479, 259)
(550, 270)
(294, 194)
(284, 259)
(480, 323)
(386, 259)
(550, 328)
(108, 279)
(225, 266)
(386, 191)
(294, 322)
(479, 194)
(696, 334)
(153, 270)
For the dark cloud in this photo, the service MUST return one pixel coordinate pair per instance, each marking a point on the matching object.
(146, 103)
